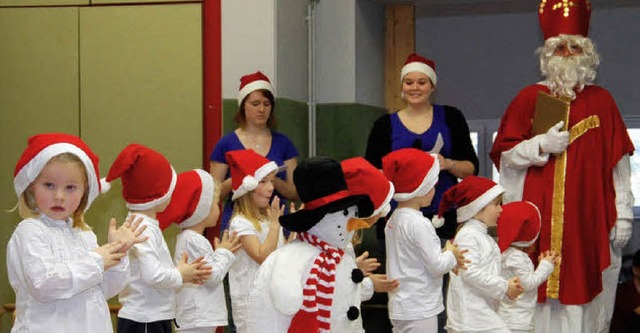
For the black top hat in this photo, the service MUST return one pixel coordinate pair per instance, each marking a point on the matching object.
(321, 186)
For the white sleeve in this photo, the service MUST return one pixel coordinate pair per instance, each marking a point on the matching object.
(426, 243)
(529, 279)
(47, 277)
(493, 286)
(153, 271)
(622, 185)
(114, 278)
(514, 164)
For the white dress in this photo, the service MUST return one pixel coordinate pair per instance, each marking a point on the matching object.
(244, 269)
(475, 293)
(202, 306)
(60, 283)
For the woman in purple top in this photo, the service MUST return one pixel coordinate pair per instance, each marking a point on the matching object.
(256, 120)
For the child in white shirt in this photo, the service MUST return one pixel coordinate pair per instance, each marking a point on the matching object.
(255, 221)
(414, 254)
(475, 293)
(194, 207)
(148, 300)
(61, 278)
(518, 229)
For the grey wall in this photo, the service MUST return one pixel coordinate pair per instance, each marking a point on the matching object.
(291, 49)
(482, 61)
(370, 18)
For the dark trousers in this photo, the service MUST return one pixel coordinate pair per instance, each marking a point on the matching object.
(130, 326)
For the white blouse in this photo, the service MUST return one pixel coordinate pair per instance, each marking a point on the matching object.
(60, 283)
(202, 305)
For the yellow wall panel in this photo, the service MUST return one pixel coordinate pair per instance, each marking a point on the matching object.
(97, 2)
(38, 93)
(141, 82)
(22, 3)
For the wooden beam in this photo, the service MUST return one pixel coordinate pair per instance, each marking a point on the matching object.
(399, 43)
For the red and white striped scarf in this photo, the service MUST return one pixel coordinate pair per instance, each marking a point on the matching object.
(315, 312)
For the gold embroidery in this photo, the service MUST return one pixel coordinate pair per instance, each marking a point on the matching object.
(583, 126)
(565, 5)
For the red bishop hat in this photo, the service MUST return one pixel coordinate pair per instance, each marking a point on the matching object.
(148, 179)
(191, 200)
(418, 63)
(469, 197)
(247, 170)
(42, 148)
(564, 17)
(252, 82)
(363, 178)
(518, 224)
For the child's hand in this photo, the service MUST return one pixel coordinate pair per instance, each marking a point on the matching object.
(461, 262)
(111, 254)
(231, 243)
(292, 207)
(551, 256)
(366, 264)
(515, 289)
(128, 233)
(275, 212)
(381, 284)
(193, 272)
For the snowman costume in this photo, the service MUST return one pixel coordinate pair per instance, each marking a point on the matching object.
(310, 284)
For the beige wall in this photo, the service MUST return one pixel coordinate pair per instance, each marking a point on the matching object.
(113, 75)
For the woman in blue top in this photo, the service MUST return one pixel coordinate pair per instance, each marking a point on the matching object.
(256, 120)
(439, 129)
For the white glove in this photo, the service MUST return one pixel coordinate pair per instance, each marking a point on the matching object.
(555, 142)
(620, 233)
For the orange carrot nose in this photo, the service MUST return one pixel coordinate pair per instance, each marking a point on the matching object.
(356, 224)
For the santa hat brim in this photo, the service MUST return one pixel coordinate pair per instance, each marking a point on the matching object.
(204, 203)
(428, 182)
(467, 212)
(262, 172)
(253, 86)
(421, 67)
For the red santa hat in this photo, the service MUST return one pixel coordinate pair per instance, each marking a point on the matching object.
(417, 63)
(247, 170)
(518, 224)
(148, 179)
(42, 148)
(252, 82)
(469, 197)
(363, 178)
(412, 171)
(564, 17)
(191, 201)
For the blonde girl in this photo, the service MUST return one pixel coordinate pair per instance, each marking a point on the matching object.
(61, 277)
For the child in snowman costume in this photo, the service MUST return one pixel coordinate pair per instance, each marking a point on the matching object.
(311, 285)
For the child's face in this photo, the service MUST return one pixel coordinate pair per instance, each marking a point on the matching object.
(59, 188)
(212, 219)
(489, 214)
(262, 194)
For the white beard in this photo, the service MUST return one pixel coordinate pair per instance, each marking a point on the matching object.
(568, 75)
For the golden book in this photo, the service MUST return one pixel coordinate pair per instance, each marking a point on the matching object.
(549, 111)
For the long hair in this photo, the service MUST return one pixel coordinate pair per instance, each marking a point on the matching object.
(567, 75)
(245, 206)
(241, 118)
(27, 207)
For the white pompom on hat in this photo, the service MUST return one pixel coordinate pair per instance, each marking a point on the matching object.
(417, 63)
(247, 170)
(42, 148)
(469, 197)
(252, 82)
(191, 200)
(148, 179)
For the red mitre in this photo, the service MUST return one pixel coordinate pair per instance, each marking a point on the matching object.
(569, 17)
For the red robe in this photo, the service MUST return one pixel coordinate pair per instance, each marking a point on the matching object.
(588, 211)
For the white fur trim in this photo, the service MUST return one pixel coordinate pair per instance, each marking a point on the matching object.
(437, 221)
(427, 184)
(253, 86)
(105, 186)
(30, 171)
(467, 212)
(262, 172)
(204, 203)
(421, 67)
(155, 202)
